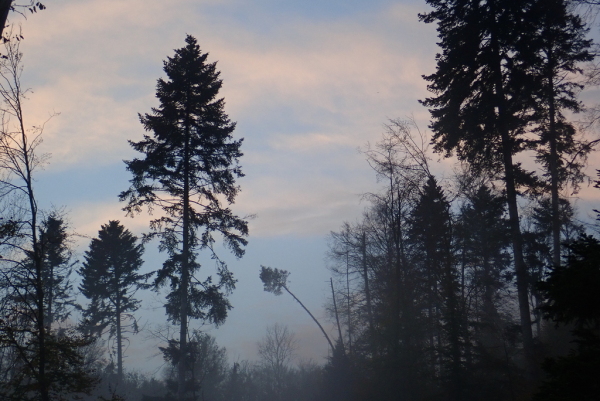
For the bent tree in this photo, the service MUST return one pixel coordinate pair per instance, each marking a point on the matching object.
(188, 170)
(274, 280)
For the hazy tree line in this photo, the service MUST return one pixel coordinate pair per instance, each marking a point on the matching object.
(425, 283)
(440, 286)
(471, 285)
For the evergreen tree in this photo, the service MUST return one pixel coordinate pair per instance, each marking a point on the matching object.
(556, 47)
(57, 267)
(110, 279)
(483, 104)
(572, 297)
(188, 170)
(539, 242)
(482, 238)
(431, 231)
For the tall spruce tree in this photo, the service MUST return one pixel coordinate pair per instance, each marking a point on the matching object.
(431, 231)
(189, 169)
(556, 47)
(483, 103)
(110, 280)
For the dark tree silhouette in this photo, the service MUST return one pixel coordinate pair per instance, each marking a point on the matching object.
(482, 238)
(572, 297)
(207, 362)
(377, 264)
(483, 104)
(56, 269)
(189, 170)
(431, 233)
(538, 243)
(557, 46)
(58, 289)
(110, 278)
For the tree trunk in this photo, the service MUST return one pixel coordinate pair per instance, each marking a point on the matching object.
(511, 199)
(4, 9)
(553, 165)
(368, 292)
(49, 297)
(398, 263)
(42, 382)
(119, 340)
(185, 269)
(313, 318)
(337, 319)
(520, 267)
(37, 255)
(348, 306)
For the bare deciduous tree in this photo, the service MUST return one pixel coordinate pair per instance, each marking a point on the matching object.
(276, 351)
(43, 363)
(278, 346)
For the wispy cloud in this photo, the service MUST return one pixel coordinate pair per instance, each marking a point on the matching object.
(306, 93)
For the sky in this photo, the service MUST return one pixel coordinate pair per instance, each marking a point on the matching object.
(308, 82)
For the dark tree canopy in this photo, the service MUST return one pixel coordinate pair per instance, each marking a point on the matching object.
(189, 170)
(110, 278)
(572, 297)
(190, 163)
(572, 291)
(57, 268)
(110, 274)
(473, 80)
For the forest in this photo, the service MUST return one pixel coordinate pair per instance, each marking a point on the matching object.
(478, 284)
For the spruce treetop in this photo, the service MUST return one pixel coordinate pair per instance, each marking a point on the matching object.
(191, 142)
